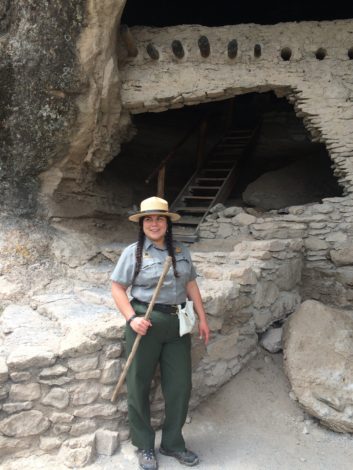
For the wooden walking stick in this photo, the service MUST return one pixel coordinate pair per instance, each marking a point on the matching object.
(166, 267)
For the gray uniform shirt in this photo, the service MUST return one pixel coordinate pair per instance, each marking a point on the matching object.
(173, 290)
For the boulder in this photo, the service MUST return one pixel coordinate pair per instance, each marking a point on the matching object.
(318, 348)
(297, 183)
(343, 254)
(271, 340)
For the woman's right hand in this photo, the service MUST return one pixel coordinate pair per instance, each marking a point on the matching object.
(140, 325)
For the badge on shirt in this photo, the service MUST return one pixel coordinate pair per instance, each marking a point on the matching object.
(177, 249)
(146, 255)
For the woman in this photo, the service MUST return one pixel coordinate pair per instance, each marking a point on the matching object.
(140, 266)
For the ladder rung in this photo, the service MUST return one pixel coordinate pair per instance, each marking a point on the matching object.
(189, 219)
(186, 222)
(195, 210)
(229, 149)
(229, 152)
(210, 168)
(205, 198)
(204, 188)
(185, 238)
(240, 131)
(235, 137)
(234, 141)
(216, 169)
(231, 145)
(204, 178)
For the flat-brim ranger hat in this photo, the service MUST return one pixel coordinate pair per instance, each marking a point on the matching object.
(154, 206)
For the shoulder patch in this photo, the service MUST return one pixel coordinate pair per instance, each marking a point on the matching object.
(178, 249)
(146, 254)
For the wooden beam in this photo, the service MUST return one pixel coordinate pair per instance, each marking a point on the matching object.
(161, 182)
(229, 113)
(128, 40)
(201, 143)
(152, 51)
(257, 50)
(178, 49)
(204, 46)
(232, 49)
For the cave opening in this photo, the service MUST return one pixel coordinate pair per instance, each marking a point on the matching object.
(284, 168)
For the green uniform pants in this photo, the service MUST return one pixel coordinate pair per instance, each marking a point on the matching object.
(162, 344)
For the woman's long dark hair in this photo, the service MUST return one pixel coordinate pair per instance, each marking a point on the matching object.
(168, 241)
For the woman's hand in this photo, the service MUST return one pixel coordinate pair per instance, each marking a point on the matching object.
(204, 331)
(140, 325)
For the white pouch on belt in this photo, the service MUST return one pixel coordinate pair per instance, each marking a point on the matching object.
(186, 317)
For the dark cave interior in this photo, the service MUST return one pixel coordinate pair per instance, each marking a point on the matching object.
(285, 164)
(161, 13)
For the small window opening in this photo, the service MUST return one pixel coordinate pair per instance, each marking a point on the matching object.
(286, 53)
(232, 49)
(257, 51)
(321, 53)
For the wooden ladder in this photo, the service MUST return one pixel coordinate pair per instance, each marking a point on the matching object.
(212, 183)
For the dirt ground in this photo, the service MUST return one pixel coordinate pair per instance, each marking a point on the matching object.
(250, 424)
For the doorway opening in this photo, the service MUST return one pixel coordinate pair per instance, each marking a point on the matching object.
(284, 168)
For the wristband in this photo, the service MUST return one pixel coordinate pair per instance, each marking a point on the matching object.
(130, 319)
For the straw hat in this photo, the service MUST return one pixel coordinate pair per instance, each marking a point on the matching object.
(154, 206)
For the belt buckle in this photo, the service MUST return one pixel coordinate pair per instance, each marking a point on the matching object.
(175, 312)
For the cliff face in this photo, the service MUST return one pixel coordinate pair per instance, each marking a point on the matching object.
(57, 66)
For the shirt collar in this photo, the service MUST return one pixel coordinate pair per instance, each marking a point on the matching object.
(149, 244)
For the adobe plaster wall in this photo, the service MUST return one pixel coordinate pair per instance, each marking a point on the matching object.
(320, 90)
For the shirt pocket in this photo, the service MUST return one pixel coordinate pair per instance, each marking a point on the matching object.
(183, 266)
(149, 272)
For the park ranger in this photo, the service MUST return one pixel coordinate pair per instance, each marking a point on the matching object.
(139, 267)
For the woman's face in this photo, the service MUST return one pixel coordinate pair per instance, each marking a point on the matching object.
(155, 228)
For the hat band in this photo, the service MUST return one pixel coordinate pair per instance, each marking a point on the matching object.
(151, 211)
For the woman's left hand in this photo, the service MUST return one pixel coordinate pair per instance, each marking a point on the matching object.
(204, 331)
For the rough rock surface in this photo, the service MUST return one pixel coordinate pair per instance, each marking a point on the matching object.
(58, 72)
(274, 189)
(318, 350)
(272, 340)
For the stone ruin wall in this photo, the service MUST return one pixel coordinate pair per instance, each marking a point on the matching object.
(59, 368)
(326, 230)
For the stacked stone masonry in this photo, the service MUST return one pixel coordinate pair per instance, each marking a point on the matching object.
(59, 367)
(326, 231)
